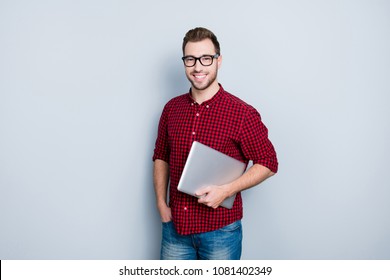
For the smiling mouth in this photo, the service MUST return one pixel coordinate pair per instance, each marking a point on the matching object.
(199, 77)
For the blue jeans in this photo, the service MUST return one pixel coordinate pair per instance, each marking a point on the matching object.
(222, 244)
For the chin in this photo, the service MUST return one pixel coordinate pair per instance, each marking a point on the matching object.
(202, 86)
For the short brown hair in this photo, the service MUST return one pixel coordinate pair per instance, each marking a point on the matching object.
(199, 34)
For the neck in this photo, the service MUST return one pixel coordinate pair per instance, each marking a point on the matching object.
(203, 95)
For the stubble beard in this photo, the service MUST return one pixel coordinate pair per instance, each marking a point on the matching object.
(212, 77)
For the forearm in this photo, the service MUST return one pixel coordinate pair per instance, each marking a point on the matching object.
(252, 177)
(213, 196)
(160, 180)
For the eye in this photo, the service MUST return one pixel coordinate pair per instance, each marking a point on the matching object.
(189, 59)
(206, 59)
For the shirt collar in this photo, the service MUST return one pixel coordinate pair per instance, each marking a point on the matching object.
(213, 99)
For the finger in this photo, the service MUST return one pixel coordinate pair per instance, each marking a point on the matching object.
(202, 199)
(202, 191)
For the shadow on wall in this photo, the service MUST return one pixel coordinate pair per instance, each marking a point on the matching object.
(175, 83)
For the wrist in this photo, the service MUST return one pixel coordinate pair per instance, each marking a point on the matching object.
(161, 204)
(230, 190)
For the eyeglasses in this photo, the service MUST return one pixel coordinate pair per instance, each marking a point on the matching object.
(205, 60)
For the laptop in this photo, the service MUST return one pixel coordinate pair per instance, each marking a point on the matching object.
(206, 166)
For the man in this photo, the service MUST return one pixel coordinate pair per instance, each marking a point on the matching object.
(197, 228)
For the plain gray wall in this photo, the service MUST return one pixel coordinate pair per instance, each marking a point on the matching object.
(82, 86)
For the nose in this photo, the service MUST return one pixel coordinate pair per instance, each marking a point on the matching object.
(198, 65)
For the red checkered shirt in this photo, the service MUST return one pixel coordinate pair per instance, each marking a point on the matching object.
(224, 123)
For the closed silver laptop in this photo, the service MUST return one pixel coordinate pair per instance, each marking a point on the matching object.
(206, 166)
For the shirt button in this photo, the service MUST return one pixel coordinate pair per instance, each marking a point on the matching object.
(193, 133)
(207, 106)
(185, 208)
(197, 114)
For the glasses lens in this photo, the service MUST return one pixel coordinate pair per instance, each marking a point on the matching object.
(206, 60)
(189, 61)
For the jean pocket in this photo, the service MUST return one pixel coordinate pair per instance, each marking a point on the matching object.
(232, 227)
(166, 223)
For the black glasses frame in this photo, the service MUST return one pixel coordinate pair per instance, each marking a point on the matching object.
(200, 59)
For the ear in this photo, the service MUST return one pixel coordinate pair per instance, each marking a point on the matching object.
(219, 61)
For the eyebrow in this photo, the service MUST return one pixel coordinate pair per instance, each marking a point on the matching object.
(199, 56)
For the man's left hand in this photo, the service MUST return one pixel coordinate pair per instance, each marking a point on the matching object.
(212, 196)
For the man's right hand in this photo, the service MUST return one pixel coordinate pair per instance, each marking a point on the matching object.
(165, 213)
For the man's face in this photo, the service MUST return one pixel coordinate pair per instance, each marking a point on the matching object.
(202, 77)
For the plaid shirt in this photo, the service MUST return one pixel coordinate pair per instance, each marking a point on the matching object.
(224, 123)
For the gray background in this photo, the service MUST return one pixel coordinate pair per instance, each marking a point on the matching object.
(82, 86)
